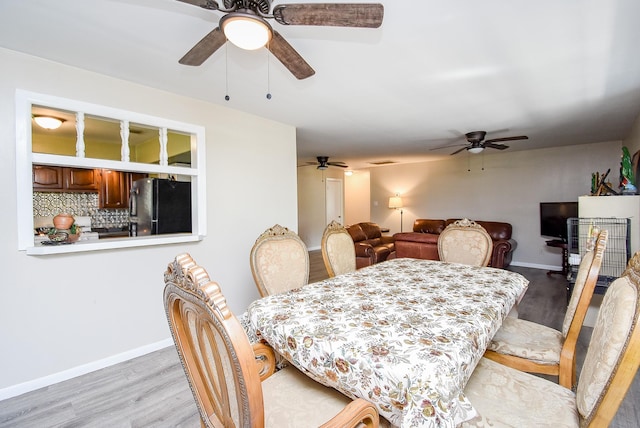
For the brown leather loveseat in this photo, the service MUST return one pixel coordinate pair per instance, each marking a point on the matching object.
(422, 243)
(371, 246)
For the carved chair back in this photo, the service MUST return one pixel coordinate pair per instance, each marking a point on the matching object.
(464, 241)
(213, 348)
(279, 261)
(613, 355)
(338, 250)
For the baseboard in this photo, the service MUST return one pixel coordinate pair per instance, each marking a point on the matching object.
(314, 248)
(42, 382)
(536, 266)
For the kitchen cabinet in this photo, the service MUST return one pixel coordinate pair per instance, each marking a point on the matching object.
(113, 189)
(47, 178)
(115, 186)
(80, 179)
(112, 186)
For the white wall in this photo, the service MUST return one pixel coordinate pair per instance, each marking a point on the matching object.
(357, 197)
(504, 186)
(62, 312)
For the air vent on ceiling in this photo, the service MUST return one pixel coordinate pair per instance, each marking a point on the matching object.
(383, 162)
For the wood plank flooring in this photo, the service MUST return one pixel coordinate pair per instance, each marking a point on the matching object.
(151, 391)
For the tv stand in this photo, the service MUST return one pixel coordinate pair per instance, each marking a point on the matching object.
(557, 243)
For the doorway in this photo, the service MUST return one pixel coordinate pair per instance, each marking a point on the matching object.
(334, 200)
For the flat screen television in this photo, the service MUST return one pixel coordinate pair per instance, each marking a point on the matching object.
(553, 218)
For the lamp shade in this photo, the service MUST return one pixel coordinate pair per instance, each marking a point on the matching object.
(395, 202)
(246, 31)
(475, 150)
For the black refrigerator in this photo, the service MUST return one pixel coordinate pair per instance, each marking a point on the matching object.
(158, 206)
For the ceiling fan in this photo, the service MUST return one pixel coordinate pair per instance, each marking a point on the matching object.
(476, 142)
(245, 25)
(323, 163)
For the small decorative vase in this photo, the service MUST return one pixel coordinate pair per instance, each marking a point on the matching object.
(63, 221)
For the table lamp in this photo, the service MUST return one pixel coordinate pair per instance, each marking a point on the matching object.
(395, 202)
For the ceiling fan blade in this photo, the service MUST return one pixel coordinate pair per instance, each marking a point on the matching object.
(338, 164)
(458, 151)
(205, 4)
(495, 146)
(448, 146)
(367, 15)
(495, 140)
(289, 57)
(204, 48)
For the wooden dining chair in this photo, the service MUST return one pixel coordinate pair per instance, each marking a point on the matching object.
(504, 396)
(465, 241)
(234, 384)
(279, 261)
(536, 348)
(338, 250)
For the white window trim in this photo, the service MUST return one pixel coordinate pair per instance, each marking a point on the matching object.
(25, 159)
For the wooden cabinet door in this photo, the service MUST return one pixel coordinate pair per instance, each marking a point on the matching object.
(113, 190)
(81, 179)
(47, 178)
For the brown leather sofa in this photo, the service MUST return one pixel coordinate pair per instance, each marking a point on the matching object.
(371, 246)
(422, 243)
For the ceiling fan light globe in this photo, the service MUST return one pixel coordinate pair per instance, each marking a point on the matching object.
(475, 150)
(246, 31)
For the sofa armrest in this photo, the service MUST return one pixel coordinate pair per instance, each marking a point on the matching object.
(387, 239)
(363, 249)
(502, 252)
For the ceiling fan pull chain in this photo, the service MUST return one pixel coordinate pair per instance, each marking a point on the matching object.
(268, 74)
(226, 71)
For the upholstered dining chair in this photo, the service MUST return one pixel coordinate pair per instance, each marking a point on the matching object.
(465, 241)
(338, 250)
(536, 348)
(504, 396)
(279, 261)
(233, 382)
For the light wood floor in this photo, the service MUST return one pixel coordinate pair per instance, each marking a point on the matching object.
(151, 391)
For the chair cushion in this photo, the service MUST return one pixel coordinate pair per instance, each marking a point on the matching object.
(503, 396)
(423, 238)
(356, 232)
(424, 225)
(526, 339)
(372, 230)
(292, 399)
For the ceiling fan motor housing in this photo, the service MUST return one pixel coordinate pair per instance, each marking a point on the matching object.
(475, 137)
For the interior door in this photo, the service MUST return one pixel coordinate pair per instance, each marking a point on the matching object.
(334, 200)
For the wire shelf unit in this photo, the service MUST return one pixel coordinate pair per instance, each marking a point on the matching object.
(616, 254)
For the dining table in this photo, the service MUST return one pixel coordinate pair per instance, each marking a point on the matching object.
(404, 334)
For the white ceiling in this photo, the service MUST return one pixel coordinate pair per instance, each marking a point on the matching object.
(562, 72)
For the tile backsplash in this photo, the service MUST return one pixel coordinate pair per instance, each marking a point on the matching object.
(49, 204)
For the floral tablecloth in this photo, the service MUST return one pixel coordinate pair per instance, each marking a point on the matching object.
(405, 334)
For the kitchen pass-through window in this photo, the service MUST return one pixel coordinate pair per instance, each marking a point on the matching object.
(127, 178)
